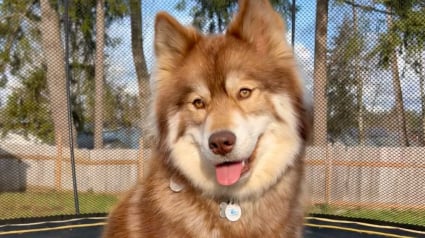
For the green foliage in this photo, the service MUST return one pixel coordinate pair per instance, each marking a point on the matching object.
(15, 43)
(407, 32)
(412, 30)
(120, 107)
(214, 15)
(3, 81)
(413, 121)
(27, 108)
(83, 21)
(387, 44)
(342, 84)
(211, 16)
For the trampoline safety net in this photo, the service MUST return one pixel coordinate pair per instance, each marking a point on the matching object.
(74, 87)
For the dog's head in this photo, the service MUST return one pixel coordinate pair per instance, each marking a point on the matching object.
(228, 108)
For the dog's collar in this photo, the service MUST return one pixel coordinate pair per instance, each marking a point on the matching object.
(229, 210)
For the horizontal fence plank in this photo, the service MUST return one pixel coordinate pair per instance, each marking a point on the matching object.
(336, 175)
(375, 205)
(375, 164)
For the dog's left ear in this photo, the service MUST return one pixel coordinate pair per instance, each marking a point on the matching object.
(258, 23)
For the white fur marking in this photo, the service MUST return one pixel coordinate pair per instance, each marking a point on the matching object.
(173, 129)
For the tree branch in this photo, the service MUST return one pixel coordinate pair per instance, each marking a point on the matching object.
(368, 8)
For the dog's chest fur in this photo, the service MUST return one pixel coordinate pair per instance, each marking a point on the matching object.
(154, 210)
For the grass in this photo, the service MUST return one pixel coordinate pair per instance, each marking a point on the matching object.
(39, 203)
(405, 216)
(49, 203)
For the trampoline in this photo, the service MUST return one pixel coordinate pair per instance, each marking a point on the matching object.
(315, 227)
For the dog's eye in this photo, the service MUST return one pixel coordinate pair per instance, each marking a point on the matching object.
(198, 103)
(244, 93)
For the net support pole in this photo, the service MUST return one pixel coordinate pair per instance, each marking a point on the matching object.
(68, 94)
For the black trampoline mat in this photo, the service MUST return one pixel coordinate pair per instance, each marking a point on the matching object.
(315, 227)
(79, 227)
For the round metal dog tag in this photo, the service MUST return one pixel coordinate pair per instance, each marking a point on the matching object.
(233, 212)
(223, 206)
(175, 187)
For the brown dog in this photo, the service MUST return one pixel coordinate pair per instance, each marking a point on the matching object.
(231, 133)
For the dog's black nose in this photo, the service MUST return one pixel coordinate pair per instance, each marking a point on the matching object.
(222, 142)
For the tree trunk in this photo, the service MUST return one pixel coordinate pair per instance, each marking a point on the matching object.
(139, 60)
(359, 80)
(397, 89)
(99, 74)
(320, 74)
(420, 72)
(56, 76)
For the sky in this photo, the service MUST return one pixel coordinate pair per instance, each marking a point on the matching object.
(378, 89)
(304, 45)
(378, 92)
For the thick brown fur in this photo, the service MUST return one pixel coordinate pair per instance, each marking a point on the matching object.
(190, 66)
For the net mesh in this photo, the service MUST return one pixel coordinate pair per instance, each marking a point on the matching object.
(368, 163)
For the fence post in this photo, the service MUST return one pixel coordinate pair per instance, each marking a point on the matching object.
(140, 162)
(58, 165)
(328, 173)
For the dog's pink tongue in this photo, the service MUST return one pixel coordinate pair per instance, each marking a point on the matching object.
(228, 173)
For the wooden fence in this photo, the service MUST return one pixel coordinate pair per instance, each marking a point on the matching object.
(104, 171)
(336, 175)
(385, 177)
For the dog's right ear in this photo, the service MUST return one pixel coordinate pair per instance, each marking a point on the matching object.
(258, 24)
(172, 40)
